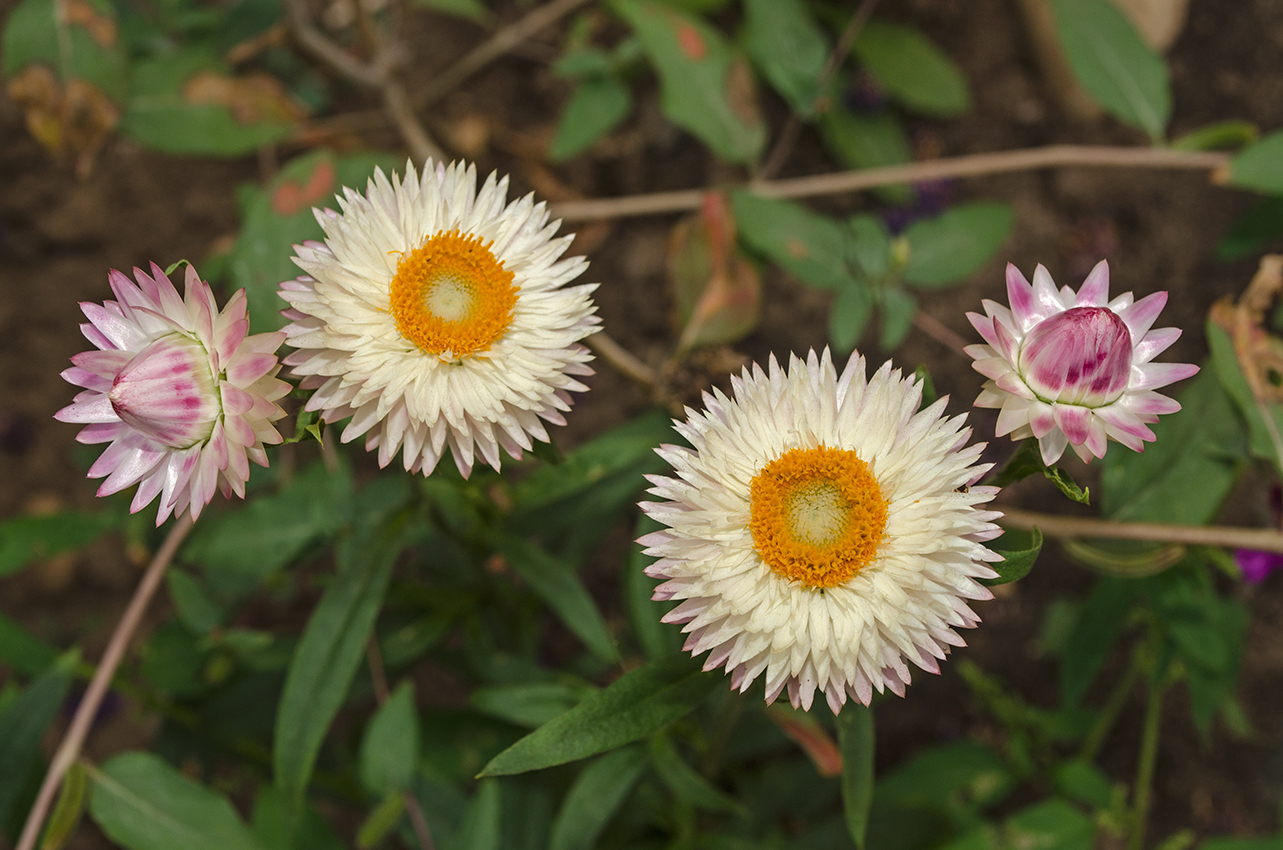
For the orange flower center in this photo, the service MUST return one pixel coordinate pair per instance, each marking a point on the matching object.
(451, 297)
(817, 515)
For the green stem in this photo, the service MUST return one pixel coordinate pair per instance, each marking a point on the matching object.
(1110, 711)
(1145, 767)
(727, 718)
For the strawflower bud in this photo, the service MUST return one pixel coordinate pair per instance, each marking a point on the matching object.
(184, 397)
(1073, 369)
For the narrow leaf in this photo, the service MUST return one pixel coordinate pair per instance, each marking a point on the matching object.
(1254, 231)
(597, 793)
(656, 639)
(23, 723)
(558, 586)
(68, 810)
(144, 804)
(330, 651)
(1114, 64)
(686, 783)
(632, 707)
(24, 539)
(480, 829)
(530, 705)
(856, 739)
(381, 821)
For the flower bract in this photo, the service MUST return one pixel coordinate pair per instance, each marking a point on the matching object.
(822, 530)
(180, 391)
(437, 314)
(1075, 369)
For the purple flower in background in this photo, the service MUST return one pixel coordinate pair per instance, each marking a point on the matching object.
(1257, 565)
(1074, 369)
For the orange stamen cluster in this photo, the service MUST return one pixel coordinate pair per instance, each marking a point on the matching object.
(451, 296)
(817, 515)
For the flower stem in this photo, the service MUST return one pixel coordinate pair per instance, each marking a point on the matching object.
(1110, 711)
(1053, 525)
(973, 165)
(1145, 767)
(78, 730)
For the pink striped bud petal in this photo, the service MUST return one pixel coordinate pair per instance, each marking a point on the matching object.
(168, 393)
(1082, 356)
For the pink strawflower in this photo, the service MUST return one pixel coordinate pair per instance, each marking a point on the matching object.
(185, 398)
(1074, 368)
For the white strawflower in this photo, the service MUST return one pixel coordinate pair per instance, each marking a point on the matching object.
(185, 398)
(1075, 368)
(436, 314)
(822, 530)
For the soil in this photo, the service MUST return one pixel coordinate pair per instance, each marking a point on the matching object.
(59, 235)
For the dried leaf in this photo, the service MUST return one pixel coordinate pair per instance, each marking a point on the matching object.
(71, 121)
(1259, 353)
(251, 99)
(717, 290)
(814, 739)
(101, 28)
(290, 196)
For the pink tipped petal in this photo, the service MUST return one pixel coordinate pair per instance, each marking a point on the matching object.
(1154, 375)
(1020, 295)
(1125, 428)
(1140, 317)
(1074, 421)
(156, 394)
(1095, 289)
(1155, 343)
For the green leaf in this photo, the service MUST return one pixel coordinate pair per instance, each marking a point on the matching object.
(556, 584)
(705, 85)
(1260, 166)
(597, 793)
(953, 246)
(856, 739)
(22, 651)
(810, 247)
(849, 316)
(686, 783)
(871, 250)
(867, 141)
(1220, 135)
(162, 116)
(896, 318)
(1016, 564)
(23, 722)
(912, 70)
(1226, 367)
(27, 538)
(1050, 825)
(636, 704)
(144, 804)
(194, 606)
(70, 807)
(530, 705)
(1188, 471)
(963, 771)
(280, 215)
(481, 829)
(88, 49)
(789, 47)
(1257, 228)
(1066, 485)
(656, 640)
(330, 651)
(385, 817)
(1101, 620)
(596, 107)
(1114, 64)
(278, 826)
(254, 542)
(472, 10)
(390, 745)
(1084, 782)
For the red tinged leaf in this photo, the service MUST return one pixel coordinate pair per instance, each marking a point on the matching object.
(717, 291)
(691, 42)
(289, 197)
(814, 739)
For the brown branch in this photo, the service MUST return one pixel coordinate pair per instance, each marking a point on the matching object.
(376, 74)
(1054, 525)
(627, 363)
(972, 165)
(939, 331)
(788, 136)
(73, 740)
(497, 45)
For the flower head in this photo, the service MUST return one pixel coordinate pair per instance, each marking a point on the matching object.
(822, 530)
(185, 398)
(1073, 369)
(436, 314)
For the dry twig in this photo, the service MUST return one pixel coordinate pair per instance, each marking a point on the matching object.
(1053, 525)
